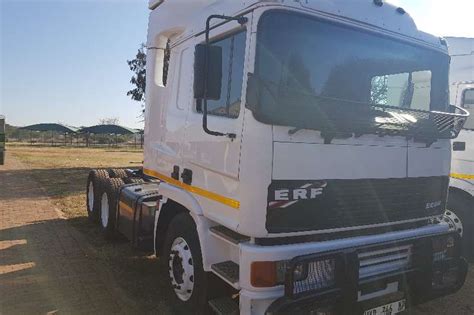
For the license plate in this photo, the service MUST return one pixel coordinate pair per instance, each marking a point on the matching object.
(388, 309)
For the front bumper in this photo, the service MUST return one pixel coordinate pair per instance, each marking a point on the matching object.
(421, 282)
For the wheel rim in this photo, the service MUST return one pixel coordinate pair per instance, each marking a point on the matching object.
(104, 210)
(181, 269)
(90, 197)
(454, 222)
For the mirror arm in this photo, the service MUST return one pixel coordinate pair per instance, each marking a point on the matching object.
(241, 20)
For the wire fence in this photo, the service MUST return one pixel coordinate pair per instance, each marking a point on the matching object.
(54, 139)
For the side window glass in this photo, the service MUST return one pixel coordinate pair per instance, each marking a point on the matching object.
(162, 63)
(468, 103)
(468, 99)
(408, 90)
(233, 56)
(184, 81)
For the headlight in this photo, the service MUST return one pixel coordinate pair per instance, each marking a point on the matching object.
(318, 274)
(443, 248)
(299, 273)
(310, 274)
(444, 275)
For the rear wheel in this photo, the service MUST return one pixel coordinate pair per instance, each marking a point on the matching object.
(94, 193)
(460, 217)
(183, 259)
(109, 206)
(133, 180)
(117, 173)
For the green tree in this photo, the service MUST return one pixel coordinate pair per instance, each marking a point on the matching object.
(379, 91)
(138, 67)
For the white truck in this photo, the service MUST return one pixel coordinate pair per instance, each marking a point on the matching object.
(297, 159)
(461, 188)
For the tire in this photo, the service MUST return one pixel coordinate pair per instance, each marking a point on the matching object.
(109, 206)
(94, 193)
(182, 257)
(117, 173)
(462, 208)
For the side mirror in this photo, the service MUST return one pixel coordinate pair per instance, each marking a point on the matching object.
(253, 92)
(213, 75)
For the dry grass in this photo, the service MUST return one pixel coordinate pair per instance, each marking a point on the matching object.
(62, 172)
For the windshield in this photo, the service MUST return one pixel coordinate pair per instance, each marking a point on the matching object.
(311, 69)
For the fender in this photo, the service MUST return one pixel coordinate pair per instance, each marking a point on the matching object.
(181, 196)
(461, 185)
(188, 202)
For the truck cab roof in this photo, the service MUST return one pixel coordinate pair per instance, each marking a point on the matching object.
(188, 17)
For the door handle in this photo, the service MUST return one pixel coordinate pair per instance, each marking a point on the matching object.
(175, 174)
(187, 176)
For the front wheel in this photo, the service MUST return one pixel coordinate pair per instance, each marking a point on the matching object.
(183, 259)
(460, 217)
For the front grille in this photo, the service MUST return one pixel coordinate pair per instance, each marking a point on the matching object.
(357, 202)
(376, 262)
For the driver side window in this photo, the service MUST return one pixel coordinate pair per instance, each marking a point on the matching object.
(233, 56)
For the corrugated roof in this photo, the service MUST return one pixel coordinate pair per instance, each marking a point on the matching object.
(109, 129)
(51, 127)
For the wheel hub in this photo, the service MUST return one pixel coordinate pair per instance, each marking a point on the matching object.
(454, 222)
(181, 269)
(90, 196)
(104, 211)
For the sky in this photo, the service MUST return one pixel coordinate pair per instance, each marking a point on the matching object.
(65, 60)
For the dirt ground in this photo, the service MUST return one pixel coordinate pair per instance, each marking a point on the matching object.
(52, 260)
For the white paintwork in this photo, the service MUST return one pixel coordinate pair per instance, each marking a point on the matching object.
(462, 79)
(425, 161)
(323, 161)
(243, 168)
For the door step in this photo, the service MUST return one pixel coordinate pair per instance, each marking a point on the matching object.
(228, 271)
(228, 235)
(224, 306)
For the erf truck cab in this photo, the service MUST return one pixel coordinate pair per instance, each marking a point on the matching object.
(461, 191)
(297, 158)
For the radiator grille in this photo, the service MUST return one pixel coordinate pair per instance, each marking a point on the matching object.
(384, 260)
(357, 202)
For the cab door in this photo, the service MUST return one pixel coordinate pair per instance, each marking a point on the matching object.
(462, 166)
(214, 160)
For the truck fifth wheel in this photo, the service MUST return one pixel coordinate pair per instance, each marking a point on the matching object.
(298, 152)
